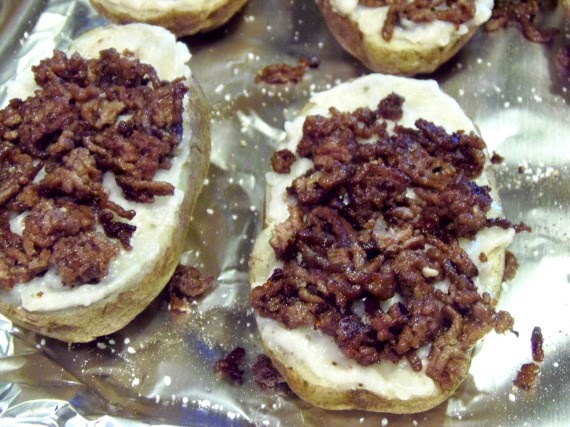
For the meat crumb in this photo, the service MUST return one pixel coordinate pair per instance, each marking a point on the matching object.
(524, 14)
(187, 283)
(229, 366)
(282, 160)
(275, 74)
(266, 376)
(511, 266)
(526, 376)
(497, 159)
(536, 341)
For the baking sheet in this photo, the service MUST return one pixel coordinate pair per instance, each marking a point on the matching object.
(159, 370)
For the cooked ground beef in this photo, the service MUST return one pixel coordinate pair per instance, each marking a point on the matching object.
(83, 258)
(527, 376)
(536, 341)
(229, 366)
(524, 14)
(378, 223)
(497, 159)
(456, 12)
(267, 376)
(511, 266)
(275, 74)
(187, 282)
(110, 114)
(282, 160)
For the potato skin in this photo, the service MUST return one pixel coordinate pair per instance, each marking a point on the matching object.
(305, 385)
(84, 324)
(309, 384)
(383, 59)
(182, 22)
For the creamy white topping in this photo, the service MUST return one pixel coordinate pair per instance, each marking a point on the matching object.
(157, 222)
(153, 8)
(370, 21)
(326, 364)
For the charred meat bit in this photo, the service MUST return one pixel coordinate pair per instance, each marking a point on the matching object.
(116, 229)
(536, 341)
(88, 117)
(275, 74)
(229, 366)
(266, 376)
(527, 376)
(524, 14)
(83, 258)
(355, 235)
(51, 220)
(188, 281)
(511, 266)
(505, 223)
(282, 160)
(456, 12)
(497, 159)
(390, 108)
(16, 171)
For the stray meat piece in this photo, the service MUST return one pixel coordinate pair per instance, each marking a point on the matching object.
(229, 367)
(511, 266)
(497, 159)
(536, 341)
(526, 376)
(276, 74)
(186, 283)
(525, 14)
(282, 160)
(267, 376)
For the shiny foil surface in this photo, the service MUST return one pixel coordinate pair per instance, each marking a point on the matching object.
(160, 369)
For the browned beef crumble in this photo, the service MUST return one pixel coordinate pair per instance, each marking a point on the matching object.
(229, 366)
(83, 258)
(187, 282)
(497, 159)
(511, 266)
(266, 376)
(282, 160)
(536, 341)
(527, 376)
(275, 74)
(356, 237)
(110, 114)
(456, 12)
(524, 14)
(504, 223)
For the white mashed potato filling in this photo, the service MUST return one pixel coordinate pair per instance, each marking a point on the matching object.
(407, 34)
(327, 365)
(156, 222)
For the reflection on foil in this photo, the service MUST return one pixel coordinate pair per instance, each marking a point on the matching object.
(159, 369)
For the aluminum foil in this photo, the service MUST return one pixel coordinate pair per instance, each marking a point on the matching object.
(159, 369)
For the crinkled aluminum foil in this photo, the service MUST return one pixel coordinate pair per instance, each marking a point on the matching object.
(159, 370)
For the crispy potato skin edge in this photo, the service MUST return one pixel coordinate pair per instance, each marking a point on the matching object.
(180, 22)
(84, 324)
(406, 62)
